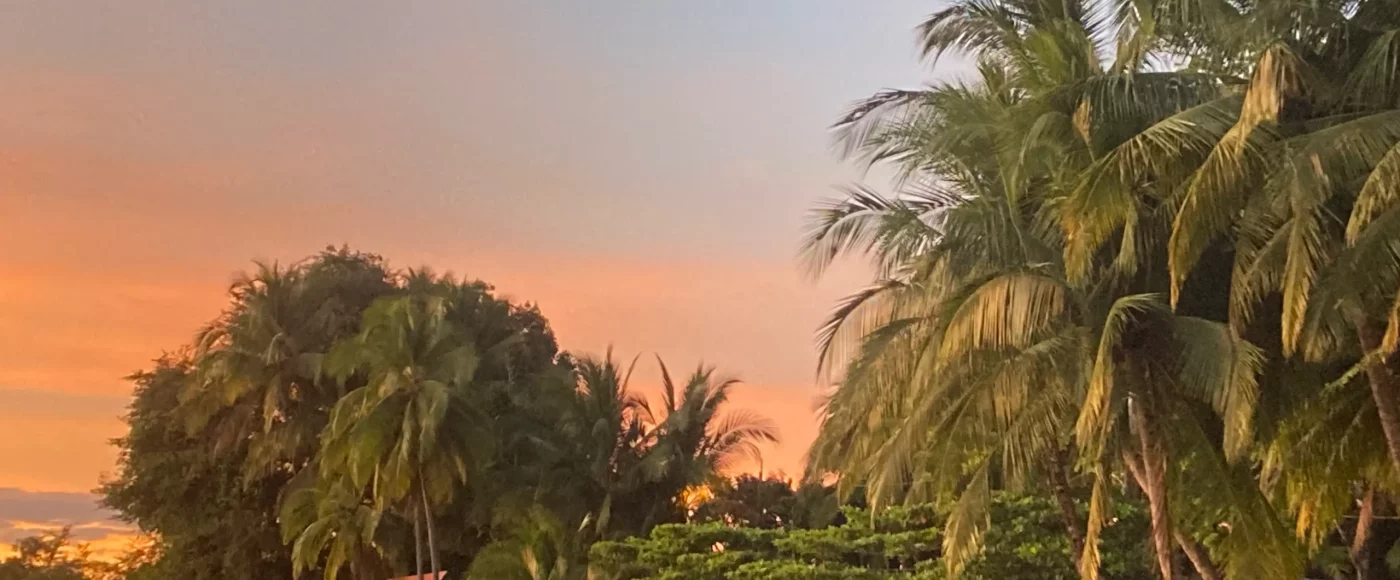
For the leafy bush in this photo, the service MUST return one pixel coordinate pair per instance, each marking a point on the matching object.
(1027, 540)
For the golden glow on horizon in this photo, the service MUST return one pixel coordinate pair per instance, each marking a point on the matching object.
(116, 541)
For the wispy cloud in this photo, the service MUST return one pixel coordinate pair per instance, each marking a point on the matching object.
(28, 513)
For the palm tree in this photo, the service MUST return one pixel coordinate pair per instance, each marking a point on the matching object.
(977, 306)
(607, 421)
(970, 379)
(1314, 133)
(979, 229)
(410, 433)
(605, 466)
(586, 438)
(694, 438)
(257, 368)
(1297, 174)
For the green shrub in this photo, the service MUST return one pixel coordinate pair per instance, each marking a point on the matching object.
(1027, 540)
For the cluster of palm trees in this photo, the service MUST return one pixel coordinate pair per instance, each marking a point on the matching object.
(1150, 242)
(415, 409)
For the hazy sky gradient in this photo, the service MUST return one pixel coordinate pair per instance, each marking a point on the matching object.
(639, 168)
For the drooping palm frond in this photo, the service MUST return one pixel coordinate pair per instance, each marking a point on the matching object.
(1379, 194)
(1375, 80)
(945, 130)
(967, 522)
(1165, 153)
(866, 118)
(329, 526)
(1222, 370)
(1007, 312)
(1256, 543)
(1104, 395)
(1214, 196)
(854, 318)
(1318, 166)
(888, 231)
(1100, 507)
(1110, 108)
(1327, 444)
(737, 436)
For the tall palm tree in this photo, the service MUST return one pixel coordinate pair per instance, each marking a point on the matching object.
(409, 434)
(1317, 138)
(694, 437)
(978, 276)
(1297, 175)
(608, 421)
(609, 466)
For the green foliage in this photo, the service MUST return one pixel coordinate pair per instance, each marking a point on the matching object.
(342, 418)
(1026, 540)
(213, 521)
(1167, 266)
(53, 555)
(48, 556)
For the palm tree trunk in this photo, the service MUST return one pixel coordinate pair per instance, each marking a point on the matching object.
(418, 543)
(1385, 388)
(432, 541)
(1200, 559)
(1154, 484)
(1198, 556)
(1360, 554)
(1059, 486)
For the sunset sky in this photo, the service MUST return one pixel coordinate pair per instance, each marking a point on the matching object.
(640, 168)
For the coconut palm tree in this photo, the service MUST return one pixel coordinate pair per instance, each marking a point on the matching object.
(1295, 176)
(1307, 147)
(609, 466)
(258, 367)
(410, 433)
(607, 422)
(695, 438)
(976, 274)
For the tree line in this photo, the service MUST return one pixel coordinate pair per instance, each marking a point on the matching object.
(1149, 247)
(1146, 254)
(349, 420)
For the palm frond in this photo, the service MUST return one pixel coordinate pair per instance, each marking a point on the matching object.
(1166, 152)
(1093, 424)
(968, 522)
(1222, 370)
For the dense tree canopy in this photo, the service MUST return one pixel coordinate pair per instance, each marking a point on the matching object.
(348, 419)
(1147, 246)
